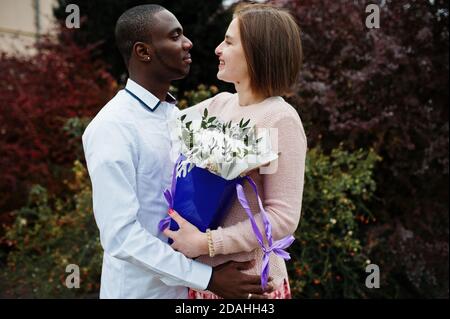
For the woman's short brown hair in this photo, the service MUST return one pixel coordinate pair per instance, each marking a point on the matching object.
(272, 46)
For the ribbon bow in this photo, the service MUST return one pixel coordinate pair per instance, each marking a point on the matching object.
(169, 195)
(276, 247)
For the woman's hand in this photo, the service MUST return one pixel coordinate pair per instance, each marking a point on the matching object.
(188, 240)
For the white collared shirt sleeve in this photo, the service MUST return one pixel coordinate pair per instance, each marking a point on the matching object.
(111, 158)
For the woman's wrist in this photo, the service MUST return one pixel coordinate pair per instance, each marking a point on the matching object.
(210, 244)
(204, 248)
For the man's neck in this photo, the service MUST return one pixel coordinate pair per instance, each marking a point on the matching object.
(157, 88)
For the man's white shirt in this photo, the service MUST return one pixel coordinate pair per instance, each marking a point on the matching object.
(127, 148)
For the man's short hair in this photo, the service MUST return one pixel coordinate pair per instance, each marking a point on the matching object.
(272, 47)
(135, 25)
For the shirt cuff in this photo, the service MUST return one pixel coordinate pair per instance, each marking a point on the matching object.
(200, 275)
(217, 239)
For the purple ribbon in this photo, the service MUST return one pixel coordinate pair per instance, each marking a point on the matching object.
(276, 247)
(169, 195)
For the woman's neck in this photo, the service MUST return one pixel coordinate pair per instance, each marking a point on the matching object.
(246, 95)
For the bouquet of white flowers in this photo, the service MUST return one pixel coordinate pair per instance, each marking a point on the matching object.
(215, 159)
(225, 149)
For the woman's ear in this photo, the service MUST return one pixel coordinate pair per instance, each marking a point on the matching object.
(143, 51)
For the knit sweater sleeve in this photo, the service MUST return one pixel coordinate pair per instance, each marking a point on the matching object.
(282, 192)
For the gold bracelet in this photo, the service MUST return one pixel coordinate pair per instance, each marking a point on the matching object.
(210, 243)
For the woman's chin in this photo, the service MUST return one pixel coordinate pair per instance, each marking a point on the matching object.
(223, 78)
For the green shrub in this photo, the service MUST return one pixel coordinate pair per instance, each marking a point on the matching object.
(193, 97)
(48, 234)
(328, 261)
(52, 232)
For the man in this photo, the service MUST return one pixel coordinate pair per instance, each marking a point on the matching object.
(127, 149)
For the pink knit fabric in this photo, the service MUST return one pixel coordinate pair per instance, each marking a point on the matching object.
(281, 192)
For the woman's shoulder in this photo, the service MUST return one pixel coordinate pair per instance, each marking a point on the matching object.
(217, 102)
(210, 103)
(278, 110)
(284, 116)
(222, 97)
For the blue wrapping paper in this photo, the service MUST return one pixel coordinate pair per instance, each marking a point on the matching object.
(203, 198)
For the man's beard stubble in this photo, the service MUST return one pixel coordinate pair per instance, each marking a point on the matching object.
(171, 69)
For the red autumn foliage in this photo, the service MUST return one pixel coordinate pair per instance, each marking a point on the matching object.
(38, 93)
(386, 88)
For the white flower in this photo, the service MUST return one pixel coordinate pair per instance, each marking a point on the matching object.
(219, 147)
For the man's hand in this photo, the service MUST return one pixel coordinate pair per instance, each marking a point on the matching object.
(228, 281)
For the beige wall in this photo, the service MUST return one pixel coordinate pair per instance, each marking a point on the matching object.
(18, 23)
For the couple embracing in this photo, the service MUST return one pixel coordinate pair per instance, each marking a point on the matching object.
(127, 148)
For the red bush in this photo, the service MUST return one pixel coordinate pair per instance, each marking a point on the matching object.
(37, 95)
(385, 88)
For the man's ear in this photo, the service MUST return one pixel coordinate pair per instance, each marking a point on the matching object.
(143, 51)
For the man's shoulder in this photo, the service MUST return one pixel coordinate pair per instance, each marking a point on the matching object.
(112, 116)
(115, 109)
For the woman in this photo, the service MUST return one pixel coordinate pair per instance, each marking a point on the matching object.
(261, 54)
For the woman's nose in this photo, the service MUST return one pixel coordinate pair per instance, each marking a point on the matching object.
(218, 50)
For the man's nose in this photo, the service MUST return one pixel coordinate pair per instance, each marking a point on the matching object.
(187, 44)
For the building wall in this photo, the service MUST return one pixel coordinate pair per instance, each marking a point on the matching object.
(21, 21)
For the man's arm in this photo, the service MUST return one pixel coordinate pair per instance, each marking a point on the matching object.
(112, 168)
(111, 161)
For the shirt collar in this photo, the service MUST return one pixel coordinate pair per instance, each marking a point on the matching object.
(145, 97)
